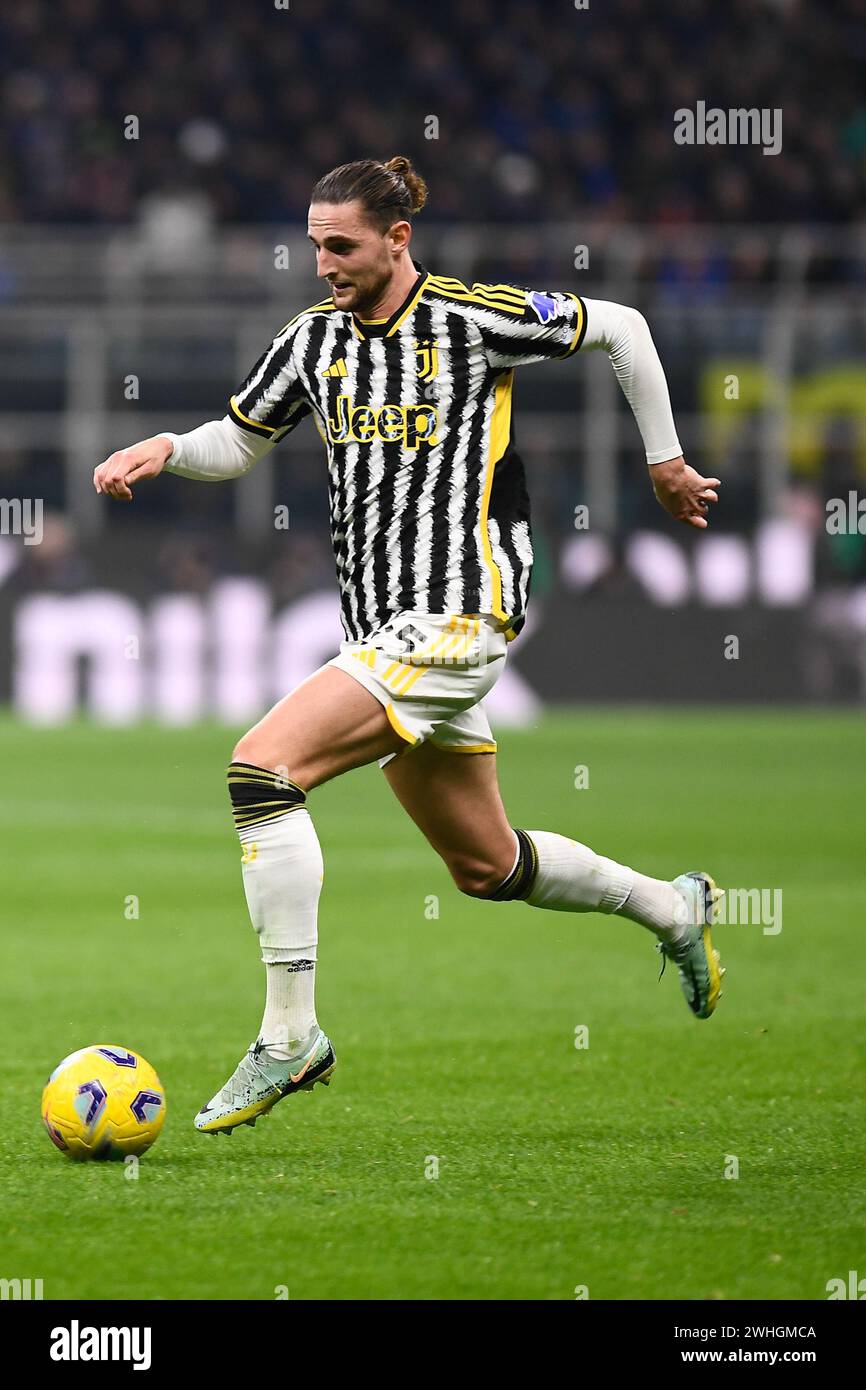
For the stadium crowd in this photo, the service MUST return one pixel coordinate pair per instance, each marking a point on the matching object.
(505, 106)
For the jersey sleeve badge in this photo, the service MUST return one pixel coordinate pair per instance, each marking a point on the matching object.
(542, 306)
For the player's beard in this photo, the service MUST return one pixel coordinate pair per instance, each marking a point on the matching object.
(367, 294)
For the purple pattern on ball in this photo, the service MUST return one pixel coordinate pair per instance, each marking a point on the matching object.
(89, 1110)
(118, 1056)
(145, 1101)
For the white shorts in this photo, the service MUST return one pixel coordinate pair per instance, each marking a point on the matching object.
(431, 671)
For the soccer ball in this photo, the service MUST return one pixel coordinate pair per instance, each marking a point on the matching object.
(103, 1102)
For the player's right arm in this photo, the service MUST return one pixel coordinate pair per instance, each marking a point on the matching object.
(267, 407)
(215, 451)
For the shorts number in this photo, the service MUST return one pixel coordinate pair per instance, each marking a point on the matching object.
(412, 636)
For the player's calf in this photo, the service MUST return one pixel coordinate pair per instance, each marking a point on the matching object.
(550, 871)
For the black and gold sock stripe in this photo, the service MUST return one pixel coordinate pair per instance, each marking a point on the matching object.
(519, 882)
(258, 795)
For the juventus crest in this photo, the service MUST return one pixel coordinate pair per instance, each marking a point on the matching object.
(428, 358)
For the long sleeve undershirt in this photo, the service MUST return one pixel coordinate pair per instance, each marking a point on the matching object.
(215, 451)
(624, 335)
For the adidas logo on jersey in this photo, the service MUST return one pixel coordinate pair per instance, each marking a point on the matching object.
(409, 425)
(425, 349)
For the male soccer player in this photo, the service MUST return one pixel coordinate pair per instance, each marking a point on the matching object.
(408, 376)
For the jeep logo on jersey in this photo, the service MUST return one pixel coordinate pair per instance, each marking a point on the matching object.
(409, 425)
(428, 358)
(544, 306)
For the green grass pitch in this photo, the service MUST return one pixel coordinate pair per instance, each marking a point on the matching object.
(558, 1167)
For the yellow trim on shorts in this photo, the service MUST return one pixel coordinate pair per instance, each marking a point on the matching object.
(404, 683)
(400, 728)
(464, 747)
(401, 675)
(467, 630)
(367, 656)
(446, 645)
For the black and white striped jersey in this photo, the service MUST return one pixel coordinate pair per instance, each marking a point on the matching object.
(428, 501)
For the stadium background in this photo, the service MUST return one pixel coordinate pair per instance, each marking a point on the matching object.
(139, 279)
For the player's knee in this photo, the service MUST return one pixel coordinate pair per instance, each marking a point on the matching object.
(498, 881)
(246, 751)
(257, 751)
(252, 751)
(475, 877)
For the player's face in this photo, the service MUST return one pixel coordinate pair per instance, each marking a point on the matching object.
(354, 257)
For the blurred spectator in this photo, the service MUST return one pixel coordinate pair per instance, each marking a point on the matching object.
(57, 564)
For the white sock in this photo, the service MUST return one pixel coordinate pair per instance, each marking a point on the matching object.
(655, 903)
(290, 1007)
(283, 871)
(573, 878)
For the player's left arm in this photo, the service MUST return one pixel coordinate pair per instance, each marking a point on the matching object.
(624, 335)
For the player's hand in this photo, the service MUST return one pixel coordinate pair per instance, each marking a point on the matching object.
(683, 492)
(115, 476)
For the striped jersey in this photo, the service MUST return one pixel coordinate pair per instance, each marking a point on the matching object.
(428, 503)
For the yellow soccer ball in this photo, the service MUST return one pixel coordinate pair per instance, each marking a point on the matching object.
(103, 1102)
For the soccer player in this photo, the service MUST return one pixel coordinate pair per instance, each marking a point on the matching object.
(408, 376)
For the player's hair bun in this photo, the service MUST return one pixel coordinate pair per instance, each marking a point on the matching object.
(389, 191)
(417, 188)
